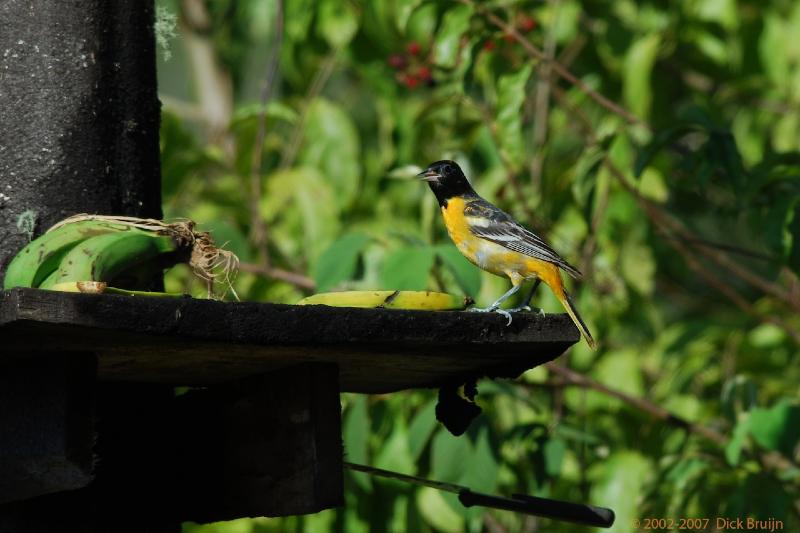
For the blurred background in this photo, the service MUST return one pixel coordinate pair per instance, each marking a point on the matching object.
(657, 147)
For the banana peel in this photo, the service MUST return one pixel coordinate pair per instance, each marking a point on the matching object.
(410, 300)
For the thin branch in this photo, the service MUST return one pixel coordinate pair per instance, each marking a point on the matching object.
(738, 250)
(212, 82)
(753, 279)
(557, 67)
(298, 280)
(773, 460)
(541, 115)
(654, 410)
(671, 226)
(489, 120)
(317, 84)
(259, 233)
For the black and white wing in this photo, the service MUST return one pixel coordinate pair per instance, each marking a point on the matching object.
(488, 222)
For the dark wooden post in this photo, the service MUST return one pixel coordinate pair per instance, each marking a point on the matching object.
(78, 133)
(79, 116)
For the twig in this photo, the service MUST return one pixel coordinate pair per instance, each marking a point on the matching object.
(258, 228)
(773, 460)
(318, 83)
(671, 226)
(542, 107)
(557, 67)
(731, 294)
(490, 121)
(654, 410)
(213, 83)
(298, 280)
(738, 250)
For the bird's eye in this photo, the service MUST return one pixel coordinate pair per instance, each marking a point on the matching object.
(447, 169)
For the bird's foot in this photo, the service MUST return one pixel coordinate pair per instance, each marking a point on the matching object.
(493, 310)
(537, 310)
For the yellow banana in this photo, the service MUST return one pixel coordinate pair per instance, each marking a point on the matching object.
(419, 300)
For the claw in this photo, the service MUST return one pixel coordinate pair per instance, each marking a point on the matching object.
(503, 312)
(520, 308)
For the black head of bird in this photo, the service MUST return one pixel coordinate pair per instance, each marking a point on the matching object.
(446, 180)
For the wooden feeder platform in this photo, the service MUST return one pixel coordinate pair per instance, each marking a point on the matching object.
(85, 376)
(189, 341)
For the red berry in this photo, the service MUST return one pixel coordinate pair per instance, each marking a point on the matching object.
(397, 61)
(413, 48)
(526, 23)
(424, 73)
(489, 46)
(411, 81)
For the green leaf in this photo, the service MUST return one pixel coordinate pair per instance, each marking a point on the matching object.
(421, 25)
(554, 450)
(339, 261)
(618, 483)
(454, 24)
(332, 146)
(660, 141)
(777, 428)
(639, 267)
(437, 512)
(467, 275)
(793, 259)
(407, 269)
(622, 370)
(638, 67)
(337, 22)
(356, 436)
(301, 209)
(762, 497)
(510, 97)
(421, 428)
(448, 456)
(395, 454)
(733, 449)
(273, 110)
(772, 49)
(481, 473)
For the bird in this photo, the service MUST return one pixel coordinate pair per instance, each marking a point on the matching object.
(493, 241)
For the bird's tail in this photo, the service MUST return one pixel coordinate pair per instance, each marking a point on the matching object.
(566, 301)
(552, 277)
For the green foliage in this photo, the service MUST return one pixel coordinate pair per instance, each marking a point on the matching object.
(369, 91)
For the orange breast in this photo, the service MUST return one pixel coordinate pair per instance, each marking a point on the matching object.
(490, 256)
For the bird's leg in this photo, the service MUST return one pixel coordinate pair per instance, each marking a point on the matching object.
(495, 307)
(527, 305)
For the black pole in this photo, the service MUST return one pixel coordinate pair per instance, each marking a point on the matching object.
(80, 114)
(79, 124)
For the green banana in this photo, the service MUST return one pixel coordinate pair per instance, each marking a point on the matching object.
(420, 300)
(101, 287)
(42, 257)
(106, 257)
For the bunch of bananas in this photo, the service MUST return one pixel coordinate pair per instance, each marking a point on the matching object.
(123, 252)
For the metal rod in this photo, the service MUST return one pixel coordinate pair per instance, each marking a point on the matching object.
(577, 513)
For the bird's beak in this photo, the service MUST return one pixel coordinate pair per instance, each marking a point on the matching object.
(429, 175)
